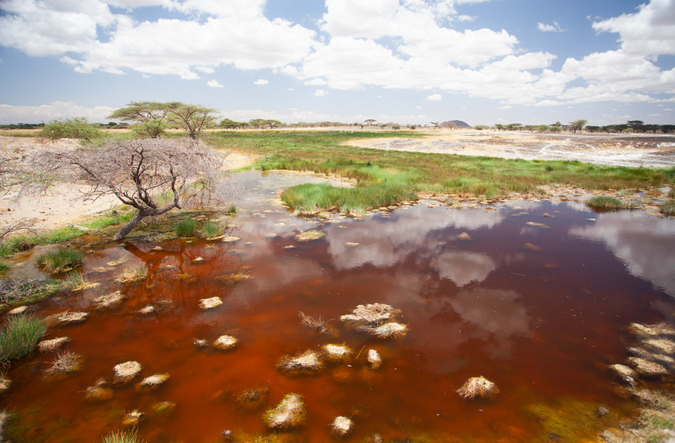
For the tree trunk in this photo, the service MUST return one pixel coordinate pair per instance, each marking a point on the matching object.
(126, 229)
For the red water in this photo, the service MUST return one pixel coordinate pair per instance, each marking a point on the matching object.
(541, 311)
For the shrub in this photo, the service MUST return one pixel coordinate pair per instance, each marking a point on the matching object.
(186, 228)
(19, 336)
(61, 260)
(232, 209)
(77, 127)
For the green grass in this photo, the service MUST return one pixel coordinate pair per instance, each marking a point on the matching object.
(211, 229)
(61, 260)
(668, 208)
(232, 209)
(19, 336)
(607, 203)
(4, 266)
(25, 242)
(401, 172)
(130, 436)
(186, 228)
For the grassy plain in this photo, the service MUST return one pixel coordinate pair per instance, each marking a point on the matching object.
(384, 175)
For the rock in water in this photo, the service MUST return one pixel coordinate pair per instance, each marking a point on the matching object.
(125, 372)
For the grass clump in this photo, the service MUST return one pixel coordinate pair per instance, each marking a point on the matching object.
(19, 336)
(186, 228)
(130, 436)
(608, 203)
(4, 266)
(211, 229)
(232, 209)
(61, 260)
(668, 208)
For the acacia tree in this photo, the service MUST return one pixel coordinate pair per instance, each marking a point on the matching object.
(151, 117)
(151, 175)
(192, 118)
(577, 125)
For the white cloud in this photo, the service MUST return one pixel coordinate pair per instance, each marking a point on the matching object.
(435, 97)
(214, 84)
(232, 34)
(555, 27)
(315, 82)
(261, 81)
(648, 32)
(54, 110)
(418, 107)
(320, 93)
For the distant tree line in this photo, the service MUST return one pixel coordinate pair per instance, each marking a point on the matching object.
(633, 126)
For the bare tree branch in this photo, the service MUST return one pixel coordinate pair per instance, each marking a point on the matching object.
(152, 175)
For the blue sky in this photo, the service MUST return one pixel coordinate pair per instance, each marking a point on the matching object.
(404, 61)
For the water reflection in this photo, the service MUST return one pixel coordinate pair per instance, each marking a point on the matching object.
(492, 314)
(408, 231)
(645, 244)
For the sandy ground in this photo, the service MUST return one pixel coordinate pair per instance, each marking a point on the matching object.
(62, 203)
(604, 149)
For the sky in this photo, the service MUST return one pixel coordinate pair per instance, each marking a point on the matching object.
(404, 61)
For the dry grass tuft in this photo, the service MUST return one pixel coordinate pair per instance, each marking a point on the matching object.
(316, 324)
(66, 363)
(133, 273)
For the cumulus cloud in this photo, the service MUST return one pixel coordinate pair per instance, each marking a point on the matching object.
(435, 97)
(261, 81)
(398, 44)
(555, 27)
(54, 110)
(232, 34)
(213, 84)
(320, 93)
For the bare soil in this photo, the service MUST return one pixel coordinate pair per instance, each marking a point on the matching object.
(633, 150)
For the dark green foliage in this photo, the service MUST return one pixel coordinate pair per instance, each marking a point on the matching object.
(186, 228)
(77, 127)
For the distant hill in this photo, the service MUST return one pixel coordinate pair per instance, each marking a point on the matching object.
(458, 124)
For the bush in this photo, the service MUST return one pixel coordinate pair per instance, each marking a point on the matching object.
(19, 336)
(61, 260)
(77, 127)
(186, 228)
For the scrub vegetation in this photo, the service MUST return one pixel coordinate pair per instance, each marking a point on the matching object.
(387, 176)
